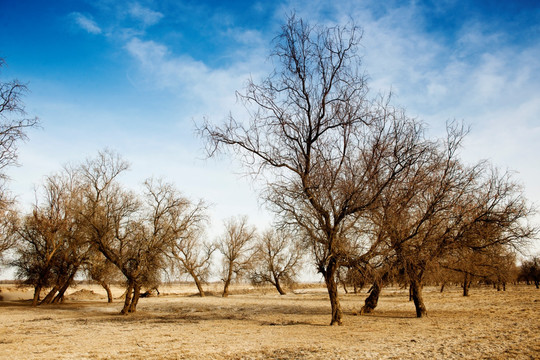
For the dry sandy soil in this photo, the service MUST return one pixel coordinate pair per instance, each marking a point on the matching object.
(261, 324)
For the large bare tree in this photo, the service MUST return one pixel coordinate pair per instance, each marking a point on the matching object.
(441, 205)
(51, 245)
(326, 151)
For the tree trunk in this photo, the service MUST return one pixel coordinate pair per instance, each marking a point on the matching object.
(37, 292)
(331, 285)
(198, 283)
(48, 299)
(127, 301)
(371, 301)
(278, 285)
(60, 296)
(416, 292)
(442, 286)
(135, 298)
(108, 290)
(227, 281)
(466, 284)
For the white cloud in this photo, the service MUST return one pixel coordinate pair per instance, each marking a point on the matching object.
(86, 23)
(204, 90)
(147, 16)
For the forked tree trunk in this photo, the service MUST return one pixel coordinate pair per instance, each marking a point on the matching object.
(37, 292)
(48, 299)
(416, 292)
(135, 298)
(371, 301)
(60, 296)
(127, 300)
(331, 285)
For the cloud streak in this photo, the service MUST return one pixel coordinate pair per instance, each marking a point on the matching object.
(86, 23)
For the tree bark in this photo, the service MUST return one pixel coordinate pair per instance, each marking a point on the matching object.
(198, 284)
(127, 301)
(135, 298)
(37, 292)
(60, 296)
(108, 290)
(416, 292)
(227, 282)
(331, 285)
(371, 301)
(466, 284)
(278, 285)
(48, 299)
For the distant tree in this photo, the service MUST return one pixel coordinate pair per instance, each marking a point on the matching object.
(327, 150)
(102, 271)
(193, 256)
(277, 259)
(236, 245)
(530, 271)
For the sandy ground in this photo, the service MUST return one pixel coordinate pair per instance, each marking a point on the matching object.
(262, 324)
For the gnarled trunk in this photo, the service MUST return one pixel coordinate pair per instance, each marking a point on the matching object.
(127, 300)
(331, 285)
(416, 293)
(371, 301)
(278, 285)
(60, 296)
(135, 298)
(197, 283)
(50, 296)
(37, 292)
(108, 290)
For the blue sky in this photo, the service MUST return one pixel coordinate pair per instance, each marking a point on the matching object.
(135, 76)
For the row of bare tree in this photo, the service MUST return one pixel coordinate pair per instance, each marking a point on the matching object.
(352, 180)
(85, 220)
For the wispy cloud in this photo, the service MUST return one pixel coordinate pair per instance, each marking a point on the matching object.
(147, 16)
(86, 23)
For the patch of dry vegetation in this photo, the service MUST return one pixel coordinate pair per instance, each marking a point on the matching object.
(261, 324)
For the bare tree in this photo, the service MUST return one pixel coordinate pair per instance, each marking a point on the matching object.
(13, 120)
(193, 256)
(51, 246)
(327, 151)
(530, 271)
(235, 244)
(103, 272)
(13, 127)
(277, 259)
(442, 205)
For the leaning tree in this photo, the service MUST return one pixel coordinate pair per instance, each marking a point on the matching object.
(325, 149)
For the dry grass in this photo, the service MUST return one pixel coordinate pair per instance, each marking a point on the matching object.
(261, 324)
